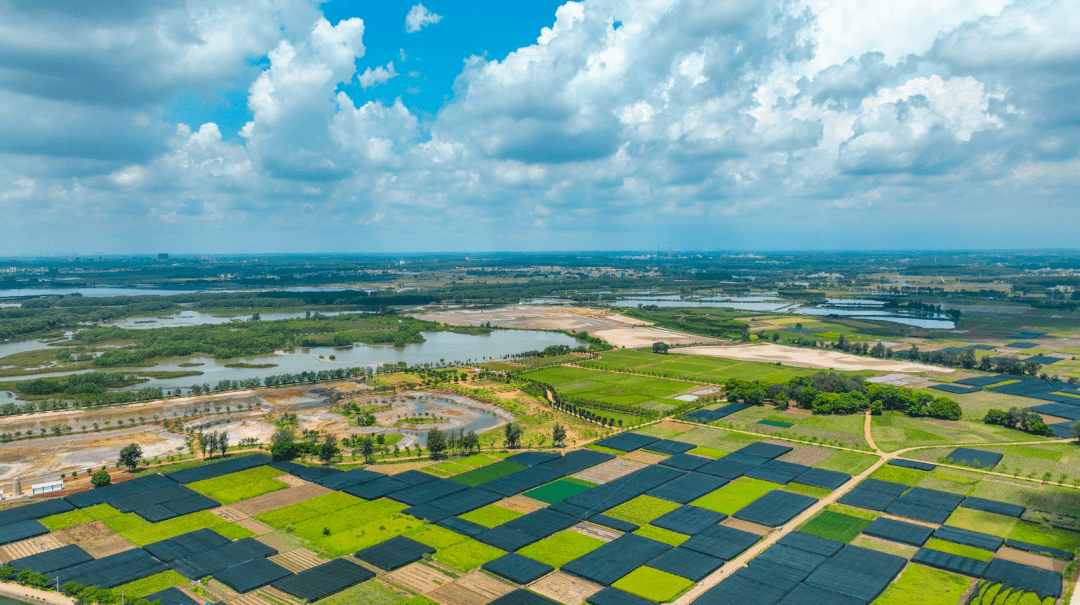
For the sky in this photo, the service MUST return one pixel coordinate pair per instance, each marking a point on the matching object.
(254, 126)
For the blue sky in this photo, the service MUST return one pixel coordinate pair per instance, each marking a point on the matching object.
(292, 126)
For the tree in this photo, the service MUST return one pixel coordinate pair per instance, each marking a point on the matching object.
(1075, 429)
(997, 417)
(221, 441)
(100, 479)
(368, 449)
(660, 348)
(513, 435)
(204, 444)
(329, 449)
(130, 456)
(436, 442)
(558, 434)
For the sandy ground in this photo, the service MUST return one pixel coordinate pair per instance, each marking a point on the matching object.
(619, 330)
(44, 459)
(809, 358)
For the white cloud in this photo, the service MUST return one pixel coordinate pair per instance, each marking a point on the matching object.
(379, 75)
(418, 17)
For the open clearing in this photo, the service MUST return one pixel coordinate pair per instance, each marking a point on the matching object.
(809, 358)
(617, 329)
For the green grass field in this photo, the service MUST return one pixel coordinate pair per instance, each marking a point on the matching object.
(240, 486)
(708, 452)
(925, 586)
(488, 473)
(897, 474)
(987, 523)
(848, 462)
(617, 389)
(233, 531)
(468, 554)
(1045, 535)
(558, 490)
(951, 480)
(101, 512)
(732, 497)
(150, 533)
(893, 431)
(642, 510)
(476, 460)
(835, 526)
(653, 584)
(491, 515)
(959, 549)
(1004, 490)
(159, 581)
(308, 509)
(662, 535)
(561, 548)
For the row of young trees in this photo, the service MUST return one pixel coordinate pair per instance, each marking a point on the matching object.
(213, 442)
(836, 393)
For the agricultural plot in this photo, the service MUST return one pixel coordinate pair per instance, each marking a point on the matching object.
(488, 473)
(835, 526)
(615, 389)
(893, 431)
(732, 497)
(240, 486)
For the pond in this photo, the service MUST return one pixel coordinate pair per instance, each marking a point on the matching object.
(477, 419)
(198, 318)
(761, 302)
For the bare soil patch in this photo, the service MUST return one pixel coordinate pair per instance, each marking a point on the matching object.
(565, 588)
(610, 470)
(25, 548)
(474, 588)
(1032, 559)
(746, 526)
(419, 578)
(645, 457)
(809, 455)
(522, 504)
(809, 358)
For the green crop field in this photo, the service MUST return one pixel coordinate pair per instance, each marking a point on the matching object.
(558, 490)
(732, 497)
(468, 554)
(987, 523)
(1044, 535)
(488, 473)
(234, 487)
(708, 452)
(1005, 491)
(959, 549)
(995, 594)
(476, 460)
(951, 480)
(847, 462)
(653, 584)
(157, 582)
(233, 531)
(893, 431)
(897, 474)
(561, 548)
(617, 389)
(155, 532)
(101, 512)
(662, 535)
(491, 515)
(835, 526)
(308, 509)
(642, 510)
(925, 586)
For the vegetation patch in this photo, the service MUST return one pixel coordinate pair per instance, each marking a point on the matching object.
(558, 490)
(563, 547)
(476, 460)
(155, 532)
(996, 594)
(487, 473)
(807, 490)
(885, 546)
(491, 515)
(1045, 535)
(233, 531)
(642, 510)
(72, 518)
(653, 584)
(308, 509)
(732, 497)
(898, 474)
(926, 586)
(959, 549)
(234, 487)
(851, 463)
(988, 523)
(157, 582)
(835, 526)
(468, 554)
(662, 535)
(708, 452)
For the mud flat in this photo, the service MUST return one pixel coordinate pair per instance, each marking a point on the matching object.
(809, 358)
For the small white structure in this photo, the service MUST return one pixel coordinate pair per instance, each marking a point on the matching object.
(1, 494)
(45, 488)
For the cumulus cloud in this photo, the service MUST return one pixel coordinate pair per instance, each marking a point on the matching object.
(743, 119)
(379, 75)
(418, 17)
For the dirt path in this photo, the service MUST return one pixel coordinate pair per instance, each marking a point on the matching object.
(33, 595)
(809, 358)
(868, 434)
